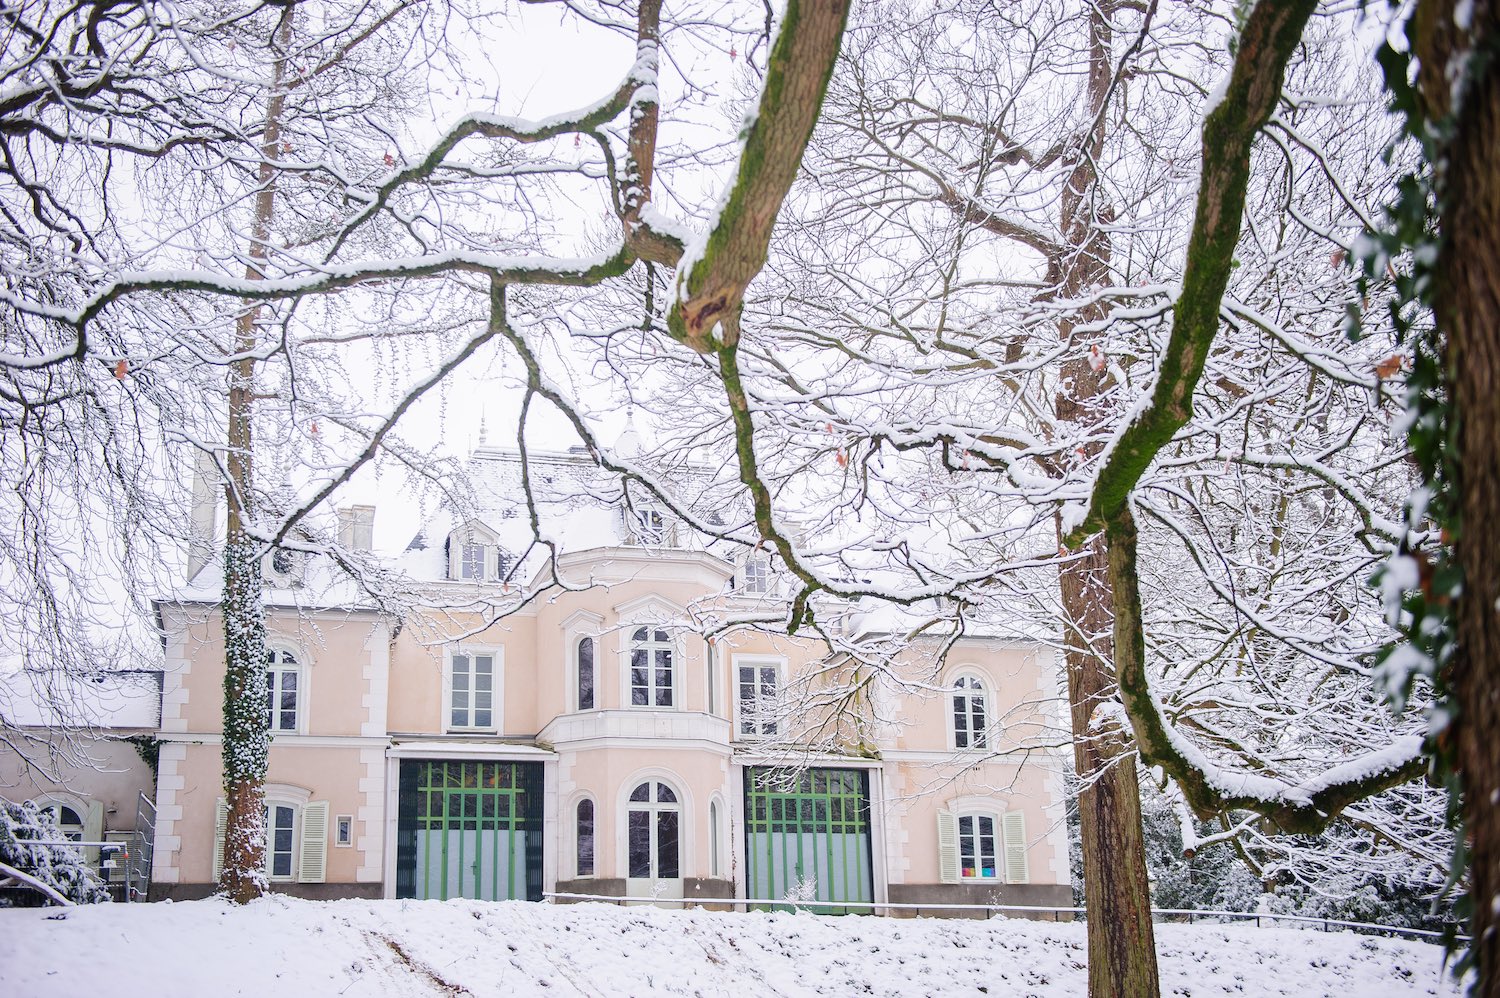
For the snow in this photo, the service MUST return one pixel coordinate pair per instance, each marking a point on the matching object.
(409, 948)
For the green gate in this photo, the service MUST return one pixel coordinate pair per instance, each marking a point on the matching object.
(469, 829)
(807, 838)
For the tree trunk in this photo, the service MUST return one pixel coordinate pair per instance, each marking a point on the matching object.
(1117, 894)
(1467, 302)
(246, 744)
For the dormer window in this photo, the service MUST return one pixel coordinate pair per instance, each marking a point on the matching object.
(650, 526)
(757, 576)
(474, 555)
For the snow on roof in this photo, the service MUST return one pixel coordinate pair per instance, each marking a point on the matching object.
(105, 699)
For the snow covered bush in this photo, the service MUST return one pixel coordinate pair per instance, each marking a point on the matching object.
(63, 868)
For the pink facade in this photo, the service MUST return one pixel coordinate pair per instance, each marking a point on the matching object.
(596, 742)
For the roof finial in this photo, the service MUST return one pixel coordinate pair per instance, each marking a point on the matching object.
(484, 433)
(628, 444)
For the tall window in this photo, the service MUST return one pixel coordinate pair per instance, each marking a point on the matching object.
(281, 820)
(283, 690)
(585, 838)
(653, 822)
(471, 561)
(757, 685)
(757, 574)
(472, 691)
(650, 668)
(978, 850)
(713, 839)
(970, 717)
(585, 656)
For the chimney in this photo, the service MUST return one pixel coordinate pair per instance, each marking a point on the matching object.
(357, 528)
(203, 516)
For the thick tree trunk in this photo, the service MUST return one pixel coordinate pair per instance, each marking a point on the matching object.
(246, 744)
(1117, 894)
(1468, 312)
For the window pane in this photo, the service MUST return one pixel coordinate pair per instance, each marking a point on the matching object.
(665, 795)
(483, 718)
(640, 843)
(586, 674)
(666, 844)
(639, 635)
(460, 718)
(661, 637)
(586, 838)
(641, 793)
(289, 680)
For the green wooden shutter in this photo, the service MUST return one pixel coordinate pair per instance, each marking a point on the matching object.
(1015, 848)
(312, 867)
(221, 822)
(947, 823)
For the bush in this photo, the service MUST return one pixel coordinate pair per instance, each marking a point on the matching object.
(62, 868)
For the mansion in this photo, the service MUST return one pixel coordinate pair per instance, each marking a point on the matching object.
(616, 732)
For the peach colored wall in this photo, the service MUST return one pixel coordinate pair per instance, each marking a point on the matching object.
(417, 677)
(329, 774)
(331, 650)
(919, 790)
(1014, 679)
(609, 775)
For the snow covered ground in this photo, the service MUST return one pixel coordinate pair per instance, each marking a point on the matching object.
(299, 949)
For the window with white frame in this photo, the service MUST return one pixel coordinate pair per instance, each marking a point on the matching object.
(475, 555)
(583, 656)
(978, 847)
(67, 818)
(651, 668)
(970, 713)
(980, 842)
(650, 526)
(758, 684)
(471, 691)
(284, 693)
(715, 865)
(654, 818)
(281, 838)
(757, 574)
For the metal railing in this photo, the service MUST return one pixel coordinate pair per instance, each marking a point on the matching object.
(990, 910)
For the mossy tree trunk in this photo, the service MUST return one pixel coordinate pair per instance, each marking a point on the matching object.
(1467, 302)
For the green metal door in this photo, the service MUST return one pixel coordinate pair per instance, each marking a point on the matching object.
(807, 838)
(470, 830)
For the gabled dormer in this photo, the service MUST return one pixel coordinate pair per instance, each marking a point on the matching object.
(475, 554)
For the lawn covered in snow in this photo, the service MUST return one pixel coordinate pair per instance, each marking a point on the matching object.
(299, 949)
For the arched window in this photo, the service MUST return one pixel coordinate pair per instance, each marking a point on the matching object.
(654, 820)
(585, 838)
(714, 869)
(67, 819)
(650, 668)
(284, 695)
(585, 666)
(970, 713)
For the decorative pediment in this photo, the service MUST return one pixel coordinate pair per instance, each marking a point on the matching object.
(651, 609)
